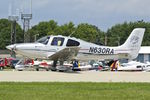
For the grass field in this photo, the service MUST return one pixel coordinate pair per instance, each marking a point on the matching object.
(74, 91)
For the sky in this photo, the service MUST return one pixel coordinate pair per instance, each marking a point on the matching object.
(102, 13)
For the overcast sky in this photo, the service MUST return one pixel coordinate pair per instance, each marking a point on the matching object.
(102, 13)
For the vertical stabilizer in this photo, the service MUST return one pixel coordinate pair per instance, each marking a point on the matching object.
(134, 41)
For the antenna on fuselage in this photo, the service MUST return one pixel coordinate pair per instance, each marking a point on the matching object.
(71, 33)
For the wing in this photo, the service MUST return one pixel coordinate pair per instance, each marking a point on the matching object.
(65, 54)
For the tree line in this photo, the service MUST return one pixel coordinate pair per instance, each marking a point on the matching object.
(114, 36)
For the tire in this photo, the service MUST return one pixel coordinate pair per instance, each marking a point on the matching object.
(61, 70)
(37, 69)
(53, 69)
(47, 69)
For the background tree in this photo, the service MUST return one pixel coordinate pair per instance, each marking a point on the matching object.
(67, 29)
(89, 33)
(5, 33)
(120, 32)
(43, 29)
(83, 31)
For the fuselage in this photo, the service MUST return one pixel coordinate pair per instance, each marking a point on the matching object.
(46, 47)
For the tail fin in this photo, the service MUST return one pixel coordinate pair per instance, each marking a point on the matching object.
(134, 41)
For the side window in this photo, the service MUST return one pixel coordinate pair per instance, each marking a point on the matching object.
(57, 41)
(71, 42)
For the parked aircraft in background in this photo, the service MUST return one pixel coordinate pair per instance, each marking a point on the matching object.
(62, 48)
(131, 66)
(5, 62)
(134, 66)
(22, 64)
(81, 66)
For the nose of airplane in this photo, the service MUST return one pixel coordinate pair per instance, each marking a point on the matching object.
(10, 47)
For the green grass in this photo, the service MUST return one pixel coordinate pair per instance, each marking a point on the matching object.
(74, 91)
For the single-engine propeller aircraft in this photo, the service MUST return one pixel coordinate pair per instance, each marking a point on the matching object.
(62, 48)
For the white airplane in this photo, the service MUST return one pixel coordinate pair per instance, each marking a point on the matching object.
(62, 48)
(132, 66)
(22, 65)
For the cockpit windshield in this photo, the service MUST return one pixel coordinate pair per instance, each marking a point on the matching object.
(43, 40)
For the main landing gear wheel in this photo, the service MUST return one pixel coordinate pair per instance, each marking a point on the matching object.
(53, 68)
(37, 69)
